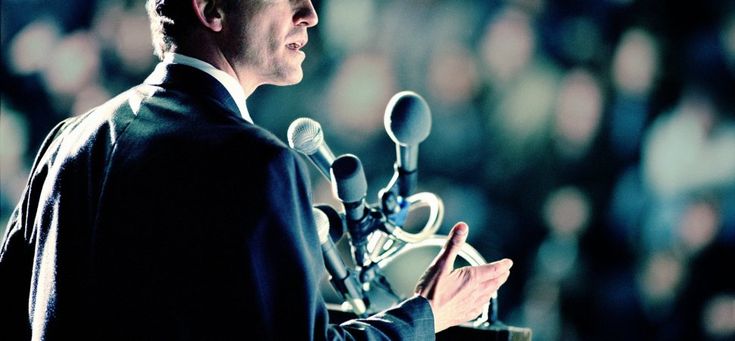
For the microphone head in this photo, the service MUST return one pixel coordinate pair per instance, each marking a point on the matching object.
(322, 225)
(305, 135)
(348, 179)
(336, 223)
(407, 118)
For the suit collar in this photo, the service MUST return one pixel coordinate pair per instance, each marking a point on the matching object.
(192, 80)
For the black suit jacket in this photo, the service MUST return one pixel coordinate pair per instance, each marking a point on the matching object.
(162, 214)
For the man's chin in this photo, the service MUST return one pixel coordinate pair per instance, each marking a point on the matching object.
(291, 78)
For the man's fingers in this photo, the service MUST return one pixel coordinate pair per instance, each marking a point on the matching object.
(492, 270)
(458, 235)
(489, 287)
(455, 239)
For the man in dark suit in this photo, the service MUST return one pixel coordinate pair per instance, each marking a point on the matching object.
(165, 213)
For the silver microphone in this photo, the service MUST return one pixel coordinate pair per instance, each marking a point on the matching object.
(306, 136)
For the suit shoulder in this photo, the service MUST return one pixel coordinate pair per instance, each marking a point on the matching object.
(257, 140)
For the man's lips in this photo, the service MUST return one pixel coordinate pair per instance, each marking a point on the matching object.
(296, 45)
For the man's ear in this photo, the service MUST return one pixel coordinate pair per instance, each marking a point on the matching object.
(209, 13)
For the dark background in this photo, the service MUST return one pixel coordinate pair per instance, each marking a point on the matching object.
(591, 141)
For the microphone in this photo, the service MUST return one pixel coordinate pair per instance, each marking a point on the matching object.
(336, 221)
(306, 136)
(342, 279)
(349, 185)
(408, 122)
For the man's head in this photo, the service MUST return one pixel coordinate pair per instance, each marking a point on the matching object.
(257, 40)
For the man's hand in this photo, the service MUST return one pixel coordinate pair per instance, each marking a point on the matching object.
(458, 295)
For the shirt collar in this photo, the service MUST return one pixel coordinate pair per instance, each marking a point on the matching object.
(229, 82)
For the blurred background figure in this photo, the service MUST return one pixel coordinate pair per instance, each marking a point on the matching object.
(591, 142)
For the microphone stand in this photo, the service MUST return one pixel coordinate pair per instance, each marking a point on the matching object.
(369, 271)
(394, 207)
(408, 122)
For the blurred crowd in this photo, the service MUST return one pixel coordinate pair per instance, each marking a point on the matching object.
(593, 142)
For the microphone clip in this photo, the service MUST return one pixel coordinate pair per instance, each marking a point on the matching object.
(360, 229)
(403, 182)
(393, 198)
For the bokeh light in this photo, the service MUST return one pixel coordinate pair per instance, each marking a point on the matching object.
(524, 114)
(567, 212)
(453, 75)
(591, 142)
(578, 112)
(635, 63)
(719, 317)
(29, 49)
(680, 142)
(362, 86)
(347, 25)
(75, 64)
(508, 44)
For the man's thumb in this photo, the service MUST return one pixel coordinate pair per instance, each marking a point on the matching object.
(455, 240)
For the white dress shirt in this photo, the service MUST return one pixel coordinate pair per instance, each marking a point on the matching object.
(229, 82)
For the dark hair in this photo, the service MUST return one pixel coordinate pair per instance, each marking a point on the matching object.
(172, 20)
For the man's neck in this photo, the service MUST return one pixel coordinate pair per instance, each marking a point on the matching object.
(230, 83)
(216, 58)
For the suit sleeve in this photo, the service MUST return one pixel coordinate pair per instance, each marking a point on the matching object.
(295, 267)
(16, 257)
(412, 319)
(17, 251)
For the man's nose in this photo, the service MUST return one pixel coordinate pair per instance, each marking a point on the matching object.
(306, 15)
